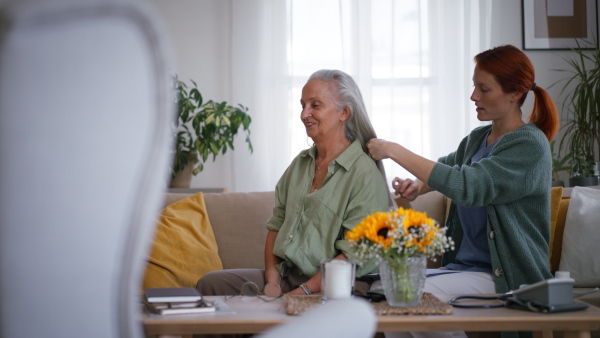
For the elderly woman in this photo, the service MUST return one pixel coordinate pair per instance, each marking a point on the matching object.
(326, 190)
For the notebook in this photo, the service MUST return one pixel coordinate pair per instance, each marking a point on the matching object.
(166, 309)
(172, 295)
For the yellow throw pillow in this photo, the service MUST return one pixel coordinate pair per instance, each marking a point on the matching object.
(557, 230)
(555, 197)
(184, 246)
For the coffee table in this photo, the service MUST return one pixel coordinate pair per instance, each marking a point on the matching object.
(253, 315)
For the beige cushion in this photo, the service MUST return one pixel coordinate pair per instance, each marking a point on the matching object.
(433, 203)
(238, 221)
(581, 237)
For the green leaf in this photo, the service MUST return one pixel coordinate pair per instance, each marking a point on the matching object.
(210, 118)
(214, 147)
(226, 120)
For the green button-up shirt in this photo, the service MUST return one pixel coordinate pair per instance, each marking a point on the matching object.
(311, 226)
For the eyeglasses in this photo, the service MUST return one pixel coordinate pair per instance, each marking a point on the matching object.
(250, 289)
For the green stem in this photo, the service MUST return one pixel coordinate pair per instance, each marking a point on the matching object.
(404, 289)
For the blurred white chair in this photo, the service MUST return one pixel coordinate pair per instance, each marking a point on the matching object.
(347, 318)
(85, 111)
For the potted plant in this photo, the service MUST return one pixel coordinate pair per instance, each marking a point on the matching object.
(582, 102)
(202, 129)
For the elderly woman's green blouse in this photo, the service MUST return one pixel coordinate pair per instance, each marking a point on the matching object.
(311, 226)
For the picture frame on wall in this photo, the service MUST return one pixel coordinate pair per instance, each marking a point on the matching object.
(558, 24)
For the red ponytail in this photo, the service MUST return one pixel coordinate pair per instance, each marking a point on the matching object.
(544, 113)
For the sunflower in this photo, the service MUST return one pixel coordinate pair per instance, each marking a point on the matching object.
(375, 228)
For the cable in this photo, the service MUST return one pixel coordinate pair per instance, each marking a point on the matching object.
(454, 301)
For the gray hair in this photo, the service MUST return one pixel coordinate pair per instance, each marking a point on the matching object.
(357, 126)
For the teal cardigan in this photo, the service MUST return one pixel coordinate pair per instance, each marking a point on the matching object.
(514, 183)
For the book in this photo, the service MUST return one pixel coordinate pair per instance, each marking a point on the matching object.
(172, 295)
(173, 305)
(166, 309)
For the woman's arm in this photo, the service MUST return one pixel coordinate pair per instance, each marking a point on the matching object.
(272, 276)
(415, 164)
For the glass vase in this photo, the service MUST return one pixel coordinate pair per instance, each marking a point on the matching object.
(403, 279)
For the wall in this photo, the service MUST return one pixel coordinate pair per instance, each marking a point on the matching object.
(507, 29)
(199, 31)
(199, 36)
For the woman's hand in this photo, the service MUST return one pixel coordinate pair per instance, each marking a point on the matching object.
(406, 188)
(272, 290)
(378, 148)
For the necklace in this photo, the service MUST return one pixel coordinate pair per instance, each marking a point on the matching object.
(319, 170)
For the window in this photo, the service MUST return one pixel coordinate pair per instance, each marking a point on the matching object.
(412, 60)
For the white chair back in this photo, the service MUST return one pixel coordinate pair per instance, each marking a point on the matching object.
(85, 110)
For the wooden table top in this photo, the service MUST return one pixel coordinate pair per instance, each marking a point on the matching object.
(253, 315)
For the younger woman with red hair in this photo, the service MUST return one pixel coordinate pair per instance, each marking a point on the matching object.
(499, 180)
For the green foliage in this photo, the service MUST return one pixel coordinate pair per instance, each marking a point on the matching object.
(582, 102)
(204, 129)
(559, 163)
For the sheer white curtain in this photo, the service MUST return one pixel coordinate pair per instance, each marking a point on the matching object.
(412, 59)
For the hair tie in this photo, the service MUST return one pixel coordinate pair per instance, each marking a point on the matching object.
(533, 87)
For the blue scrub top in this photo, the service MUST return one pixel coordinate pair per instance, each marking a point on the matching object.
(474, 252)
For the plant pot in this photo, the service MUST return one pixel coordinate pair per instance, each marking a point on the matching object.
(403, 279)
(583, 181)
(183, 178)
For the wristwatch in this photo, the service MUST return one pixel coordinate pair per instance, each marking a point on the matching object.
(305, 288)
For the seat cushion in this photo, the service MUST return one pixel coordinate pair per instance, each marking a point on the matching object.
(184, 246)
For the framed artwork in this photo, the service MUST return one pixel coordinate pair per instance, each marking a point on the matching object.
(555, 24)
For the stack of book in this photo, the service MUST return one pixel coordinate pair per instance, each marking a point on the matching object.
(176, 301)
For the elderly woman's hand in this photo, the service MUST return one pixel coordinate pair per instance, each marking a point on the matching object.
(407, 188)
(378, 148)
(272, 290)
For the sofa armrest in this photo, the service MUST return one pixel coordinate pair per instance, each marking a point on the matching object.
(171, 198)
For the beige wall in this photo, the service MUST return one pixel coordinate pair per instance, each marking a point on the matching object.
(507, 29)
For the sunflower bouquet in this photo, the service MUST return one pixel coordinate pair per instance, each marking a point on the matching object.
(400, 233)
(401, 240)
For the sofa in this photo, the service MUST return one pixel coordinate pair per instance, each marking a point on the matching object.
(232, 226)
